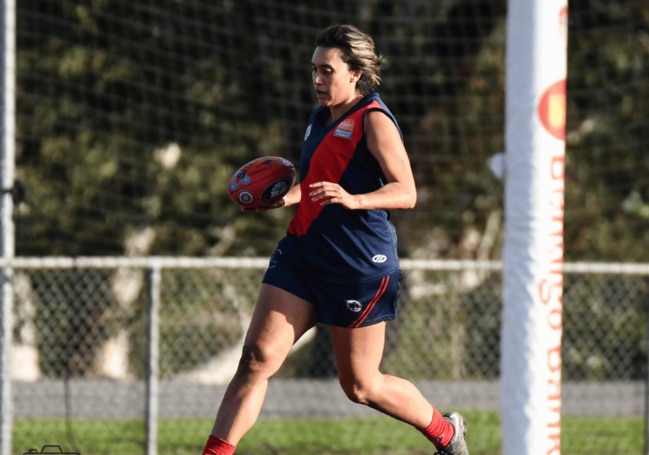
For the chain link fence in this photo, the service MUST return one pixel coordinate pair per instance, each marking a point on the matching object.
(119, 340)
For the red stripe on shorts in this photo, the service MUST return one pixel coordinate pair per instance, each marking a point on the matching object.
(370, 306)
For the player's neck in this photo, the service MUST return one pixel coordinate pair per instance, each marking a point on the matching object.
(337, 111)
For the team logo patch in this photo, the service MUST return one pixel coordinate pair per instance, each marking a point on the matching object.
(354, 306)
(345, 129)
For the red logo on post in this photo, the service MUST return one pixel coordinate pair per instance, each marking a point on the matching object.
(552, 109)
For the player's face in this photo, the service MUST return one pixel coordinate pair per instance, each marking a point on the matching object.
(334, 83)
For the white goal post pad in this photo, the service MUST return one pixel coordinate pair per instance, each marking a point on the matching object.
(534, 212)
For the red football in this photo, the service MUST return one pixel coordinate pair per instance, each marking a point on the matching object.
(261, 182)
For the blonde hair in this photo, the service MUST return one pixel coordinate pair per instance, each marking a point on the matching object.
(357, 51)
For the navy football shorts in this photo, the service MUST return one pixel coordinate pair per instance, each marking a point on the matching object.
(356, 303)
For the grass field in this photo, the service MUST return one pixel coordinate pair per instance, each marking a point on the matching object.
(580, 436)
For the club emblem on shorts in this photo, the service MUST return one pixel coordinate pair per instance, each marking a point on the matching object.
(354, 306)
(272, 262)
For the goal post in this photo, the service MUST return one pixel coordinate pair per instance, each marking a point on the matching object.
(534, 210)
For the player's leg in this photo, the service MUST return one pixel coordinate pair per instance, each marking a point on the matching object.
(358, 353)
(279, 320)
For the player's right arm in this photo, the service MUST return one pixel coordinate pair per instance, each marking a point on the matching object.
(292, 197)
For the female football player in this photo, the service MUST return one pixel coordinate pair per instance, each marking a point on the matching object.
(338, 263)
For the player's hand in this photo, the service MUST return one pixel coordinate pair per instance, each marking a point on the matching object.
(327, 193)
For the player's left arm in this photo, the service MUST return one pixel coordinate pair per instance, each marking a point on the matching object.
(385, 144)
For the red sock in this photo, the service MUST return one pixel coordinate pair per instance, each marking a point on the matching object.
(218, 446)
(439, 431)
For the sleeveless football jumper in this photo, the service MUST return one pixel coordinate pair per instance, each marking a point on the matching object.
(343, 261)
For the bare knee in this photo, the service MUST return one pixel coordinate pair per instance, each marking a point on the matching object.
(357, 391)
(251, 361)
(255, 361)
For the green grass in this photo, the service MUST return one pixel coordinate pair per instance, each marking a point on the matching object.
(379, 436)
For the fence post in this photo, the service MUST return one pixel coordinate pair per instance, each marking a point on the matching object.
(6, 398)
(7, 126)
(645, 307)
(153, 338)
